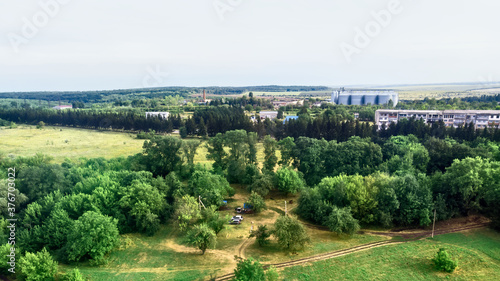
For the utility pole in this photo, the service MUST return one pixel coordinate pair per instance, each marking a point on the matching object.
(434, 223)
(285, 208)
(201, 203)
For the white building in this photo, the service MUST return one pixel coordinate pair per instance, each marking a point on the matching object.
(163, 115)
(268, 114)
(480, 118)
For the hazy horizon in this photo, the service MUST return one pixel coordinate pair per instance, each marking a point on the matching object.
(71, 45)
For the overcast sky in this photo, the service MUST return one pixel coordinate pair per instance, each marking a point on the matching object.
(96, 44)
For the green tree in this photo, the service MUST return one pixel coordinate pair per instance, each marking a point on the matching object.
(213, 219)
(290, 233)
(189, 150)
(262, 185)
(216, 152)
(162, 155)
(187, 211)
(288, 180)
(93, 236)
(212, 188)
(270, 158)
(202, 236)
(57, 228)
(341, 221)
(261, 234)
(4, 256)
(257, 202)
(38, 266)
(249, 270)
(444, 262)
(287, 146)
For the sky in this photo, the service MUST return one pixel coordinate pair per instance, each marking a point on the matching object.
(60, 45)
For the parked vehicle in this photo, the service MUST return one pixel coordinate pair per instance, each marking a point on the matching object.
(238, 210)
(235, 222)
(240, 218)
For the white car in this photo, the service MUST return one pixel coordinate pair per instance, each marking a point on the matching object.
(240, 218)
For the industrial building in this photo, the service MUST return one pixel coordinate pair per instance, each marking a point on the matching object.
(364, 97)
(480, 118)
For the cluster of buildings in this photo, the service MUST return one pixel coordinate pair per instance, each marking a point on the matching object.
(456, 118)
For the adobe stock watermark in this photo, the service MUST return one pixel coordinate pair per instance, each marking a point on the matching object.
(155, 77)
(222, 7)
(49, 9)
(364, 35)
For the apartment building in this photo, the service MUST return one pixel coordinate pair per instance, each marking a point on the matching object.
(480, 118)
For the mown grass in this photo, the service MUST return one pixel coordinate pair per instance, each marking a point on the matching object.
(477, 253)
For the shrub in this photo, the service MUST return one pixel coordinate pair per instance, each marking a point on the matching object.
(443, 261)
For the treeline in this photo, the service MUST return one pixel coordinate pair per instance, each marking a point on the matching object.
(98, 96)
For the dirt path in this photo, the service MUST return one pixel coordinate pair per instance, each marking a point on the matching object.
(410, 237)
(242, 247)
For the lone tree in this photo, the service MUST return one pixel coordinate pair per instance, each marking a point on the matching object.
(202, 236)
(443, 261)
(261, 234)
(290, 233)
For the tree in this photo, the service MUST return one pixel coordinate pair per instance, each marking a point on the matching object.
(287, 146)
(162, 155)
(5, 252)
(216, 152)
(288, 180)
(213, 219)
(443, 261)
(249, 270)
(262, 185)
(57, 228)
(93, 236)
(187, 210)
(73, 275)
(341, 221)
(270, 158)
(257, 202)
(212, 188)
(202, 236)
(189, 150)
(38, 266)
(261, 234)
(290, 233)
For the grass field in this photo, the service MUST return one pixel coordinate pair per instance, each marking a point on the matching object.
(478, 254)
(62, 142)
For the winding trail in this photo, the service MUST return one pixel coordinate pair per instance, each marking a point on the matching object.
(407, 237)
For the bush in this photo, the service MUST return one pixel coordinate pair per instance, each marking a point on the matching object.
(73, 275)
(261, 234)
(443, 261)
(249, 270)
(38, 267)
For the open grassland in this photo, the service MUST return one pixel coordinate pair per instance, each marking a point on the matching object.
(62, 142)
(477, 251)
